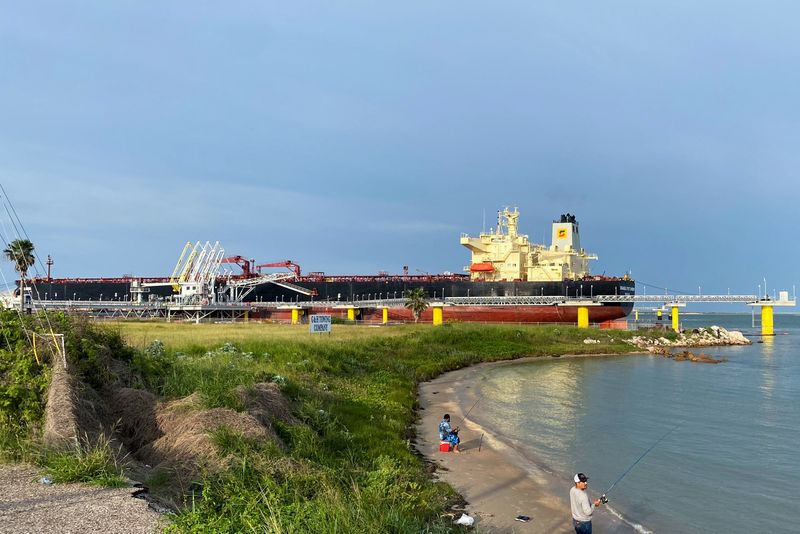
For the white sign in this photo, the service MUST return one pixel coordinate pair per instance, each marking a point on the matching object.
(320, 323)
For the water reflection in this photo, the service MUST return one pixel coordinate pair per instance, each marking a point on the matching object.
(550, 396)
(768, 371)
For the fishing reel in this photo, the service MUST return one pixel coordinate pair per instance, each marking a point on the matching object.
(603, 499)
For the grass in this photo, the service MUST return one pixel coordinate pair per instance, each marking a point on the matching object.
(348, 465)
(94, 464)
(185, 335)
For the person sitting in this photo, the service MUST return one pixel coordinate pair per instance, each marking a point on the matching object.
(448, 433)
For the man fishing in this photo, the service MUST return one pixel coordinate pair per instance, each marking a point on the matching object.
(449, 434)
(582, 509)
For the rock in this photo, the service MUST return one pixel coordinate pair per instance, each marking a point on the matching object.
(700, 337)
(589, 341)
(697, 358)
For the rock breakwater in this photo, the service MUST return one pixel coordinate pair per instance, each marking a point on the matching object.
(699, 337)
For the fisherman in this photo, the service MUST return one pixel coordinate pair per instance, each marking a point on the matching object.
(449, 434)
(582, 509)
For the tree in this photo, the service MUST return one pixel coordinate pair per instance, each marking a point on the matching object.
(20, 253)
(416, 301)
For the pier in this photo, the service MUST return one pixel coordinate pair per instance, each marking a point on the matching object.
(197, 312)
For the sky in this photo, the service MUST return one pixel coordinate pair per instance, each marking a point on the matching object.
(355, 137)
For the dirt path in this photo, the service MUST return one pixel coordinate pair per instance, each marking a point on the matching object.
(28, 506)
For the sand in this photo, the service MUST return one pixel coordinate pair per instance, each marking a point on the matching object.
(497, 481)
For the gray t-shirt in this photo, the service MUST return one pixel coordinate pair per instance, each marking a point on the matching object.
(582, 509)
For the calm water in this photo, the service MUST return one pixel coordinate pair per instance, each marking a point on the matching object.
(731, 466)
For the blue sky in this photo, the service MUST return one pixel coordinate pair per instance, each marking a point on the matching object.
(354, 137)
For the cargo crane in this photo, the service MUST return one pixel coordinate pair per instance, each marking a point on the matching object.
(244, 263)
(289, 264)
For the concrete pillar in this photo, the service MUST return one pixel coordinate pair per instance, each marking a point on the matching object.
(583, 317)
(767, 328)
(351, 314)
(675, 322)
(385, 315)
(295, 316)
(437, 315)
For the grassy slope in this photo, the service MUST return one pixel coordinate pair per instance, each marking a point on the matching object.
(349, 465)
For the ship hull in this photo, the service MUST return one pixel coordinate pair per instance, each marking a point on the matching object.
(530, 314)
(325, 291)
(395, 287)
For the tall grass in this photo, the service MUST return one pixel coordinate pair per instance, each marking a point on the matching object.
(90, 463)
(348, 464)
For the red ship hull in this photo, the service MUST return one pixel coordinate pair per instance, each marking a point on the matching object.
(482, 314)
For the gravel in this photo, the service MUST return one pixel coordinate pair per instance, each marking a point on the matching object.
(28, 506)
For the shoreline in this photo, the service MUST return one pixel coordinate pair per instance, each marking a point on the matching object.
(496, 479)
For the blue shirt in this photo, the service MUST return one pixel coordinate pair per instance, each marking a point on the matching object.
(444, 430)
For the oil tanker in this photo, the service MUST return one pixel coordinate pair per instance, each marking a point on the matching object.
(504, 263)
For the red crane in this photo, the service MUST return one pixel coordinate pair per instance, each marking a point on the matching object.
(241, 261)
(289, 264)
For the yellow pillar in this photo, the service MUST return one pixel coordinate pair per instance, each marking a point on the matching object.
(247, 315)
(295, 316)
(583, 317)
(351, 314)
(636, 315)
(675, 323)
(437, 315)
(766, 321)
(385, 315)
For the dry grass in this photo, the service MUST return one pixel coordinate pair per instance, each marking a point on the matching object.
(141, 333)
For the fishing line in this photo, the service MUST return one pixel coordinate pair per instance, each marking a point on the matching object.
(603, 497)
(464, 417)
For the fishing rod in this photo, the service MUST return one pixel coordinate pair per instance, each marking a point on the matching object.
(603, 497)
(464, 417)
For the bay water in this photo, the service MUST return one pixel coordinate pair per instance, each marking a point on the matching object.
(732, 463)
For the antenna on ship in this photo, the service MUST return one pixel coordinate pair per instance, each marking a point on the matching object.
(484, 220)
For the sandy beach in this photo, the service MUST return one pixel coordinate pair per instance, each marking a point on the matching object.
(497, 481)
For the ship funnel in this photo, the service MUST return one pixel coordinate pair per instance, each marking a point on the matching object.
(566, 237)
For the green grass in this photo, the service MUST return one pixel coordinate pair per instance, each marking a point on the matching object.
(95, 465)
(348, 465)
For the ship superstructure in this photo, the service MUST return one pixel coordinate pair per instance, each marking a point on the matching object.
(505, 255)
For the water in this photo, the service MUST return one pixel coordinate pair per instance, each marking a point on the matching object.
(731, 465)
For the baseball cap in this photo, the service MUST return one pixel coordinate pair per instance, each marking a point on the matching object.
(580, 477)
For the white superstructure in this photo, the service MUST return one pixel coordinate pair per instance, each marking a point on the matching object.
(502, 254)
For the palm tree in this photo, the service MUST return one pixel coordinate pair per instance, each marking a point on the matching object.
(20, 253)
(416, 301)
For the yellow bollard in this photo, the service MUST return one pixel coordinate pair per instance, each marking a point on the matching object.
(636, 315)
(295, 316)
(437, 315)
(351, 314)
(675, 323)
(583, 317)
(658, 314)
(767, 328)
(385, 315)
